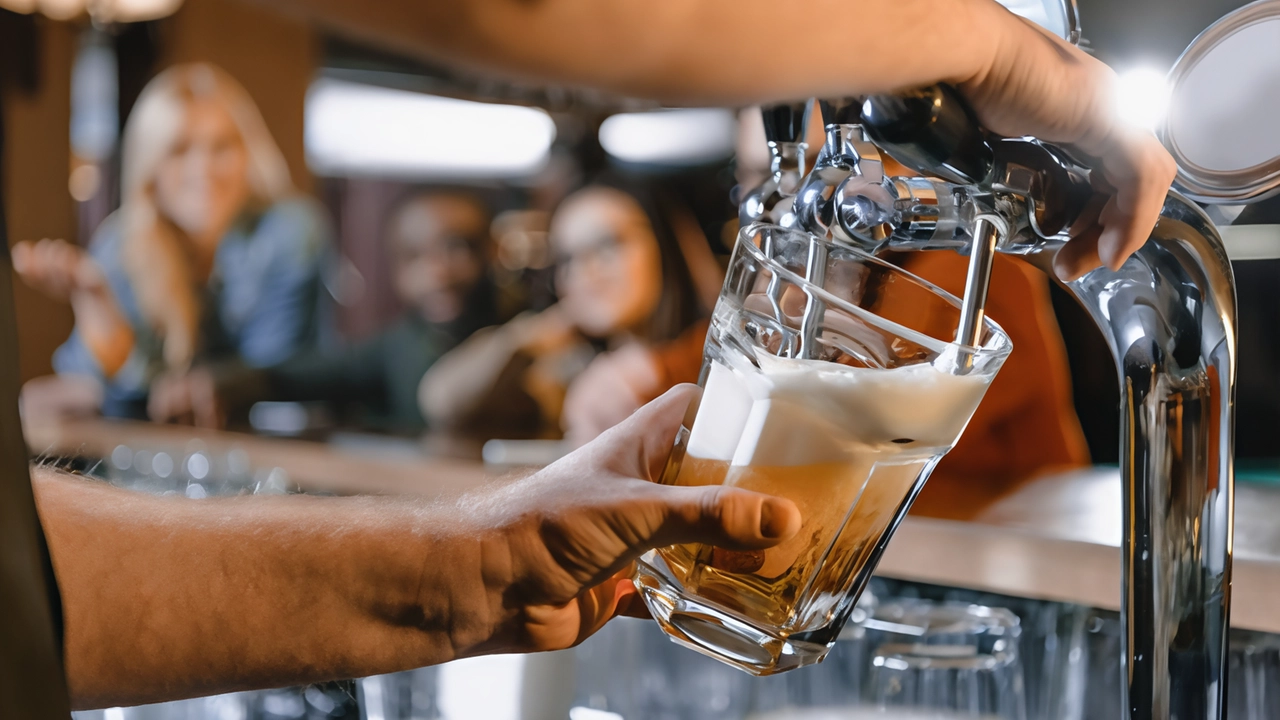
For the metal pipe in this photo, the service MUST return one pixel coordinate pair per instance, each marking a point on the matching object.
(973, 306)
(1169, 317)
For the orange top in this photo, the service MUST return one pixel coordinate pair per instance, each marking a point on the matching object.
(1026, 424)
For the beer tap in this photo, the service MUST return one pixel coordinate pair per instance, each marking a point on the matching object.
(785, 127)
(837, 160)
(1168, 315)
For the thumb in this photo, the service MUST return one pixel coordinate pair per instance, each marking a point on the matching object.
(644, 440)
(20, 254)
(722, 516)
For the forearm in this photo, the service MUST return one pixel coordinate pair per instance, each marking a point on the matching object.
(167, 597)
(709, 51)
(457, 385)
(106, 334)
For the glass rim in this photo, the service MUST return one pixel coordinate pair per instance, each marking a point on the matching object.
(1000, 344)
(945, 613)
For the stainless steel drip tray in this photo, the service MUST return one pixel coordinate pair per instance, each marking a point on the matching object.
(1058, 538)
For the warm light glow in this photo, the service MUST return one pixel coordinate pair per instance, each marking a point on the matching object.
(357, 129)
(100, 10)
(1142, 97)
(670, 137)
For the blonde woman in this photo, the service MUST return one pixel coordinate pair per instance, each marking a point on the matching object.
(212, 253)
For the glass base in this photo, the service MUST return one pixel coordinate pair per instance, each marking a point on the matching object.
(713, 632)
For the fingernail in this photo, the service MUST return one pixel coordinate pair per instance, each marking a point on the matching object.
(1109, 249)
(771, 525)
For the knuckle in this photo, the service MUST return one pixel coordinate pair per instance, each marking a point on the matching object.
(713, 504)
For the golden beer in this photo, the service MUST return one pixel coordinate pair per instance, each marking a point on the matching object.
(767, 585)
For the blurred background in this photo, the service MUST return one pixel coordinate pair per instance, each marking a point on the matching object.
(368, 139)
(231, 227)
(411, 217)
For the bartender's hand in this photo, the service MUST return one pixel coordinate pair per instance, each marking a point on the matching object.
(65, 272)
(1034, 83)
(572, 530)
(223, 594)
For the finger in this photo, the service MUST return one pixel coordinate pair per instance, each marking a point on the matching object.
(635, 608)
(58, 264)
(646, 437)
(158, 403)
(20, 254)
(169, 402)
(720, 515)
(629, 603)
(1142, 174)
(599, 605)
(1078, 256)
(206, 404)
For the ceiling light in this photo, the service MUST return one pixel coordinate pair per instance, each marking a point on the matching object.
(670, 137)
(99, 10)
(358, 129)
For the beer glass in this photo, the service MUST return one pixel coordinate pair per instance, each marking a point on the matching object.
(831, 378)
(953, 660)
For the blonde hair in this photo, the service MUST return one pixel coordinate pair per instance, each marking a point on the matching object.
(157, 255)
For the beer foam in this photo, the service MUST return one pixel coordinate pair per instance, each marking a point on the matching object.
(722, 414)
(793, 412)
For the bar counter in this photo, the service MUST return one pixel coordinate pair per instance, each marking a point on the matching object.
(1056, 538)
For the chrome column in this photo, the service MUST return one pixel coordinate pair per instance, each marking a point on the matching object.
(1169, 317)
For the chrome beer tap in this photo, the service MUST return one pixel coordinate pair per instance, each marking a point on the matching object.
(838, 159)
(785, 126)
(1169, 318)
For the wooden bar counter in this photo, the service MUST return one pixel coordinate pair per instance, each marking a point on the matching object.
(1057, 538)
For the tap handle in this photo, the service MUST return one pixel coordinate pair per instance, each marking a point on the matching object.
(932, 131)
(786, 122)
(840, 111)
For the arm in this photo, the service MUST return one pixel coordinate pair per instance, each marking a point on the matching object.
(103, 338)
(710, 51)
(460, 384)
(168, 597)
(1020, 80)
(618, 382)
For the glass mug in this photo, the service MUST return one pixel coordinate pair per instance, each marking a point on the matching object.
(831, 378)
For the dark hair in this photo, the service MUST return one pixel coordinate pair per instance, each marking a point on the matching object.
(679, 305)
(413, 195)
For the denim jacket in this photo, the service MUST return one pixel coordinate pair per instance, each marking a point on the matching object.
(260, 303)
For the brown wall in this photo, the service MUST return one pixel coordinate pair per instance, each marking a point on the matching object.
(37, 162)
(273, 56)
